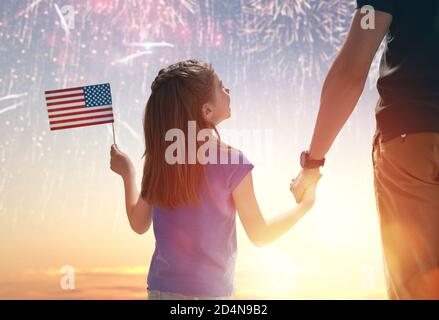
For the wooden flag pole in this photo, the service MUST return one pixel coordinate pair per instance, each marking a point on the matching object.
(114, 136)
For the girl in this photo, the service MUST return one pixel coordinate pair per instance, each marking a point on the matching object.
(192, 206)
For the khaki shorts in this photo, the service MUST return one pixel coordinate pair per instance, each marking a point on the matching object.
(406, 180)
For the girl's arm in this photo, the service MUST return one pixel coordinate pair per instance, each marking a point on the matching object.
(260, 231)
(138, 210)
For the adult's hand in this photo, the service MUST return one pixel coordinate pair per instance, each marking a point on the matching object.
(305, 179)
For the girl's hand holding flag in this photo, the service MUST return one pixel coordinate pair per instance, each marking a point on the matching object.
(120, 163)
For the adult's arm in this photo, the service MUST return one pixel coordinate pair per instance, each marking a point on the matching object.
(342, 89)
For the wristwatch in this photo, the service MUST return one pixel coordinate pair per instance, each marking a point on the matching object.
(307, 163)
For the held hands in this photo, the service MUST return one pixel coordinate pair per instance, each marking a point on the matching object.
(305, 185)
(120, 162)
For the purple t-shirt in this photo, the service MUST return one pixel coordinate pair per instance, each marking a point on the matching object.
(195, 250)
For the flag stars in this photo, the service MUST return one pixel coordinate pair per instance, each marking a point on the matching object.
(98, 95)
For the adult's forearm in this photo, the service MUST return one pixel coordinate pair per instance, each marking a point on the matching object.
(340, 94)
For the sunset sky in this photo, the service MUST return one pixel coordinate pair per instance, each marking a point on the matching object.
(61, 205)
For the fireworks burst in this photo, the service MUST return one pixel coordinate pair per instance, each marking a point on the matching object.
(285, 42)
(301, 35)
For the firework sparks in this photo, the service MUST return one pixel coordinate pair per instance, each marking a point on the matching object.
(151, 45)
(12, 107)
(304, 32)
(131, 57)
(12, 96)
(286, 44)
(28, 8)
(63, 20)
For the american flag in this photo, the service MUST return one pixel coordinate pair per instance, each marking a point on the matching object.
(79, 107)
